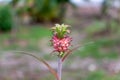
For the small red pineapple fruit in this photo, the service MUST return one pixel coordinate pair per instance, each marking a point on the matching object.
(60, 40)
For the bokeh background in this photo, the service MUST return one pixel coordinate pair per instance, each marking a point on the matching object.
(25, 26)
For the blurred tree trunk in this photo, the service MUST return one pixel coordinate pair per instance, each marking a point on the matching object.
(110, 20)
(104, 8)
(14, 30)
(119, 12)
(62, 11)
(104, 15)
(106, 4)
(118, 19)
(63, 7)
(14, 2)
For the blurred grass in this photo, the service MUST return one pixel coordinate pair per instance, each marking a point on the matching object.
(101, 48)
(25, 35)
(97, 75)
(34, 32)
(102, 75)
(96, 26)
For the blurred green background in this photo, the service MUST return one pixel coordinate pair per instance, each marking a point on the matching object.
(25, 26)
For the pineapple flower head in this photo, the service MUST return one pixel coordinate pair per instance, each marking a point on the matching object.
(60, 40)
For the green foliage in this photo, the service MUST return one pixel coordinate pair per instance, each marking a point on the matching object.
(44, 10)
(6, 21)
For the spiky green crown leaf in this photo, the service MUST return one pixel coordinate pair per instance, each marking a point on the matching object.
(61, 30)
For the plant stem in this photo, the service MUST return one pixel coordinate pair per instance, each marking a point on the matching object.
(59, 70)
